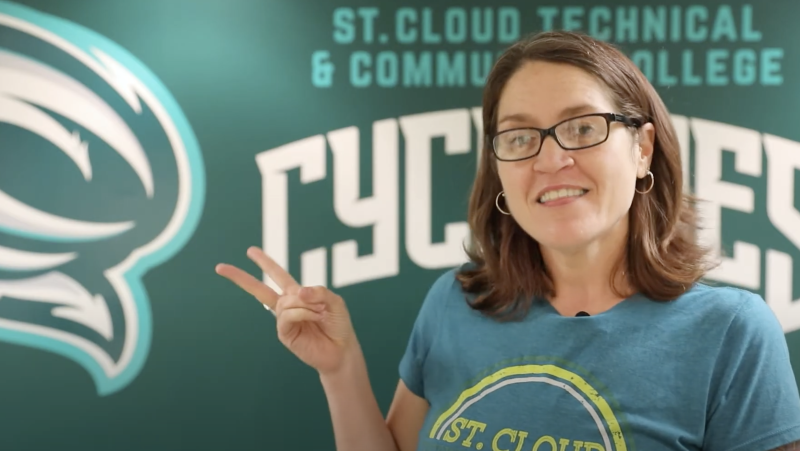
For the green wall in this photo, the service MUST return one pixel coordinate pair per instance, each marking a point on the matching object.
(157, 149)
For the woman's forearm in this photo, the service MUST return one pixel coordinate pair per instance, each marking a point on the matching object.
(358, 423)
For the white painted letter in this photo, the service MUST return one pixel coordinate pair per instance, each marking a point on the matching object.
(418, 130)
(379, 210)
(711, 138)
(309, 155)
(783, 159)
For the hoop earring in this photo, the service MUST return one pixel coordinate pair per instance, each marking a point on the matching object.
(650, 187)
(497, 202)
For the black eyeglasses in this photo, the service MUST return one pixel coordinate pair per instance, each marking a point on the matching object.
(571, 134)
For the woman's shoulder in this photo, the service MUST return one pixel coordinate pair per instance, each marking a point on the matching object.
(735, 309)
(446, 292)
(752, 383)
(446, 287)
(722, 299)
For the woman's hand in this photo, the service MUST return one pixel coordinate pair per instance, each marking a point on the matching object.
(312, 322)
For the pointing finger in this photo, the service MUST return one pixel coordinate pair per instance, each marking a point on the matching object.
(282, 278)
(250, 284)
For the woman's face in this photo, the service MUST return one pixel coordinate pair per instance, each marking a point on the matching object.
(564, 199)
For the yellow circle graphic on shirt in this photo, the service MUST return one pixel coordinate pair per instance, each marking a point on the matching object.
(575, 385)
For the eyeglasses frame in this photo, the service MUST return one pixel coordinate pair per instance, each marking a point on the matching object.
(551, 131)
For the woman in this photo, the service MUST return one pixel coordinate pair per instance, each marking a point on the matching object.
(579, 323)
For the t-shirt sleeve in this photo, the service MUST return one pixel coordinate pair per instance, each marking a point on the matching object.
(754, 403)
(426, 327)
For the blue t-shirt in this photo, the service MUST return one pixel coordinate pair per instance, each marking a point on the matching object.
(709, 371)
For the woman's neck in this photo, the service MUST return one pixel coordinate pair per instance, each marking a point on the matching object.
(582, 277)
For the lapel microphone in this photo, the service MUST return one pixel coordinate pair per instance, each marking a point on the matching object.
(582, 313)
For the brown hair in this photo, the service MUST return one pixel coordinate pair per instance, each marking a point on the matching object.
(663, 258)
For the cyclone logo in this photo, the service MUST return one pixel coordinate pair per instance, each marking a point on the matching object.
(101, 179)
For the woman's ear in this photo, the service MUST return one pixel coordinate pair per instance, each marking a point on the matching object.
(647, 140)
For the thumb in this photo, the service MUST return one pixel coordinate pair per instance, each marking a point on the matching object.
(312, 295)
(306, 294)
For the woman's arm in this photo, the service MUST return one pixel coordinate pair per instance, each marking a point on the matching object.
(358, 423)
